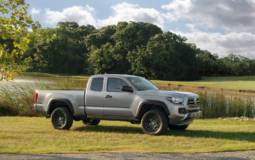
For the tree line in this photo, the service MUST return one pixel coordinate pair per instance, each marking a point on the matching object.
(127, 48)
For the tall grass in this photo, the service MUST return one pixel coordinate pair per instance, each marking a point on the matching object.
(221, 105)
(220, 102)
(17, 98)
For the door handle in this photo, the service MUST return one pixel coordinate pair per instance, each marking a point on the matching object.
(108, 96)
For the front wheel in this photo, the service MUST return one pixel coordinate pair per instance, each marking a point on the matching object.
(93, 122)
(61, 118)
(154, 122)
(178, 127)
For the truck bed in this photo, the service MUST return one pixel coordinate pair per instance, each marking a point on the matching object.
(75, 97)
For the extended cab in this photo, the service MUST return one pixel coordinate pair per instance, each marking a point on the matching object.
(119, 97)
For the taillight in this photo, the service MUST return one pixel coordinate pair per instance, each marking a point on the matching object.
(35, 97)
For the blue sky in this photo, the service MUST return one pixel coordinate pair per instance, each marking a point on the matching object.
(103, 6)
(220, 26)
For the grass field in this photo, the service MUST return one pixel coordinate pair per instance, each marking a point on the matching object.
(35, 135)
(233, 83)
(228, 82)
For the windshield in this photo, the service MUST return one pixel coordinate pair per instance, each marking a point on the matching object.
(141, 84)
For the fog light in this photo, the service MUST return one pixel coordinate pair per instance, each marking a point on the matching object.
(182, 111)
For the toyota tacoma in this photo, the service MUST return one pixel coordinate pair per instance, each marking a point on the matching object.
(119, 97)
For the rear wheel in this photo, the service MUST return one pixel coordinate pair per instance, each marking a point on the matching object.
(154, 122)
(61, 118)
(93, 122)
(178, 127)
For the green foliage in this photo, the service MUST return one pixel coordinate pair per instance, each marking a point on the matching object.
(115, 47)
(127, 48)
(208, 63)
(238, 65)
(14, 23)
(59, 50)
(107, 59)
(211, 65)
(169, 57)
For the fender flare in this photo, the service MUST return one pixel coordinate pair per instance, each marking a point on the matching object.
(61, 101)
(152, 102)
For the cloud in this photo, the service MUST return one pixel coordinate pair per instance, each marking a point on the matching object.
(79, 14)
(241, 43)
(177, 8)
(232, 15)
(133, 12)
(35, 11)
(220, 26)
(121, 12)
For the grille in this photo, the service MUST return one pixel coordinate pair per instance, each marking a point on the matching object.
(193, 102)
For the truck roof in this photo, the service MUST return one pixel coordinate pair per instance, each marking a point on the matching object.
(113, 75)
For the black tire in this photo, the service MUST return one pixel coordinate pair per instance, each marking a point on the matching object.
(93, 122)
(154, 122)
(61, 118)
(178, 127)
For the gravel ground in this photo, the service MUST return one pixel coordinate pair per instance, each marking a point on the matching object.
(244, 155)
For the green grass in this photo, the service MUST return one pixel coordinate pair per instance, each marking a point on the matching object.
(235, 83)
(227, 82)
(35, 135)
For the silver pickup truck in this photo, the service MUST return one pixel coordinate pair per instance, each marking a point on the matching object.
(119, 97)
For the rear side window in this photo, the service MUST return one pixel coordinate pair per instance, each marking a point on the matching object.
(97, 84)
(115, 84)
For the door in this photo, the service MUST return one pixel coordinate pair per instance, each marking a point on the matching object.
(94, 98)
(117, 104)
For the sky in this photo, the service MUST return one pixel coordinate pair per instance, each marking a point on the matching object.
(220, 26)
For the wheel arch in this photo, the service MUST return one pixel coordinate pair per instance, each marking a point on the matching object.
(151, 104)
(54, 103)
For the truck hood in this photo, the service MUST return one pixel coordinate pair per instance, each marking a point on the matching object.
(165, 93)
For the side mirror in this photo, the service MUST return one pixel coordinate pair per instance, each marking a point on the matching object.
(127, 89)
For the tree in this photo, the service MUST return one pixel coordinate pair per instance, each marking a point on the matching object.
(237, 65)
(135, 34)
(112, 45)
(59, 50)
(208, 64)
(170, 58)
(14, 24)
(127, 48)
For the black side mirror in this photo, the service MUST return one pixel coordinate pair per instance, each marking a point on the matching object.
(127, 89)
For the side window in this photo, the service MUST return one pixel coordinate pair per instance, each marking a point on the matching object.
(97, 84)
(115, 84)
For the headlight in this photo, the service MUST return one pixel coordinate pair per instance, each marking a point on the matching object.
(175, 100)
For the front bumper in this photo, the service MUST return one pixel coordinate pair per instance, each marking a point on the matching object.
(184, 119)
(192, 115)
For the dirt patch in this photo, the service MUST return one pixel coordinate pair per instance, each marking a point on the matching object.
(244, 155)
